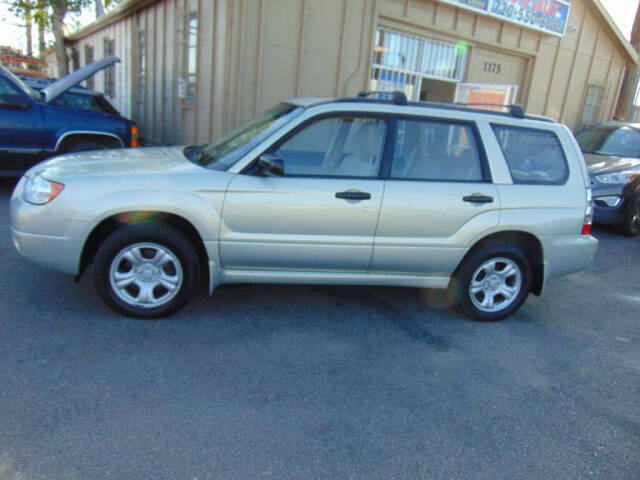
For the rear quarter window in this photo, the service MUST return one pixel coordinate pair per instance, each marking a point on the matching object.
(534, 156)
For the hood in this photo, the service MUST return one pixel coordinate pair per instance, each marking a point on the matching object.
(67, 82)
(598, 164)
(116, 162)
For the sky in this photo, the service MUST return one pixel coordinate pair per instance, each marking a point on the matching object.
(622, 12)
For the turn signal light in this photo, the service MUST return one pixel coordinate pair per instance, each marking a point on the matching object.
(134, 136)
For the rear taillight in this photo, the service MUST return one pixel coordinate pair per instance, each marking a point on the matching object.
(588, 214)
(134, 136)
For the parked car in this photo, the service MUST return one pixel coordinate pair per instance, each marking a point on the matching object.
(33, 126)
(327, 191)
(77, 97)
(612, 153)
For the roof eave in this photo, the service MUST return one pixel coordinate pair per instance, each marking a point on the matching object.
(107, 19)
(631, 52)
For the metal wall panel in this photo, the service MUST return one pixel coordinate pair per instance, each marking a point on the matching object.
(254, 53)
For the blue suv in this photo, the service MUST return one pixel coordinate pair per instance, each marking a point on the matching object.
(33, 127)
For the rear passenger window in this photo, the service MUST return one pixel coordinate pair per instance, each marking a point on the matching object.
(430, 150)
(533, 156)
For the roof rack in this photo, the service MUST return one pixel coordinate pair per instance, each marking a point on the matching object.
(514, 110)
(398, 97)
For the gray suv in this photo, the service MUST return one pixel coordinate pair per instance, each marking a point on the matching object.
(365, 190)
(612, 153)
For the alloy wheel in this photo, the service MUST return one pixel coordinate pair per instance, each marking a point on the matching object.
(495, 285)
(146, 275)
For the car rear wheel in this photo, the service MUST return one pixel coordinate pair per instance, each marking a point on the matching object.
(146, 271)
(493, 282)
(631, 225)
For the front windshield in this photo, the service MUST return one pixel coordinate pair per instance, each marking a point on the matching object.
(615, 141)
(25, 88)
(227, 150)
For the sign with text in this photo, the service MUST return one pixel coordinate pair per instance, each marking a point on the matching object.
(550, 16)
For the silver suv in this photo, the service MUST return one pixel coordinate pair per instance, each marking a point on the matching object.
(366, 190)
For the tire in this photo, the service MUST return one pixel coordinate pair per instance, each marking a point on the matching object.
(631, 225)
(84, 146)
(156, 267)
(477, 267)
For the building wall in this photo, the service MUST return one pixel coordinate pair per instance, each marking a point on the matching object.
(253, 53)
(120, 32)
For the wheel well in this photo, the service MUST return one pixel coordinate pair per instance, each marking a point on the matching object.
(111, 224)
(106, 140)
(530, 246)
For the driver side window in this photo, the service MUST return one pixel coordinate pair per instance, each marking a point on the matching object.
(337, 147)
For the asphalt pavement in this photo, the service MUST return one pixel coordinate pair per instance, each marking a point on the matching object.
(297, 382)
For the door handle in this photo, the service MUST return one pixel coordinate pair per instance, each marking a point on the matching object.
(478, 198)
(353, 195)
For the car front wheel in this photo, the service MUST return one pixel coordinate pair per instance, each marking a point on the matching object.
(493, 282)
(631, 225)
(146, 271)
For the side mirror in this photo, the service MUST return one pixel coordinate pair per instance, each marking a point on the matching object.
(14, 102)
(271, 164)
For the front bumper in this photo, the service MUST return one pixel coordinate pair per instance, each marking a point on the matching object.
(610, 215)
(43, 237)
(50, 251)
(602, 214)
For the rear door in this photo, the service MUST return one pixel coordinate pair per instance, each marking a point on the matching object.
(438, 197)
(321, 214)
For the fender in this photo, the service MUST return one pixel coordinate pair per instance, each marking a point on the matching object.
(87, 132)
(183, 204)
(631, 189)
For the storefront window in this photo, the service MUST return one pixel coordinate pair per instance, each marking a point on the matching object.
(489, 96)
(401, 62)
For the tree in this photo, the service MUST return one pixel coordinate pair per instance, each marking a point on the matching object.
(101, 4)
(41, 17)
(99, 8)
(59, 9)
(23, 9)
(50, 14)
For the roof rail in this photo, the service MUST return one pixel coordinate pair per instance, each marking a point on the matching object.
(514, 110)
(397, 97)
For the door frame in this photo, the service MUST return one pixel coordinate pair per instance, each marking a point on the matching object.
(387, 160)
(249, 169)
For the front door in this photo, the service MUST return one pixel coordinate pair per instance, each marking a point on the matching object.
(321, 214)
(438, 196)
(20, 131)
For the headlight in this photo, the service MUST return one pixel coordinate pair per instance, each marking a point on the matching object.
(616, 178)
(610, 201)
(39, 190)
